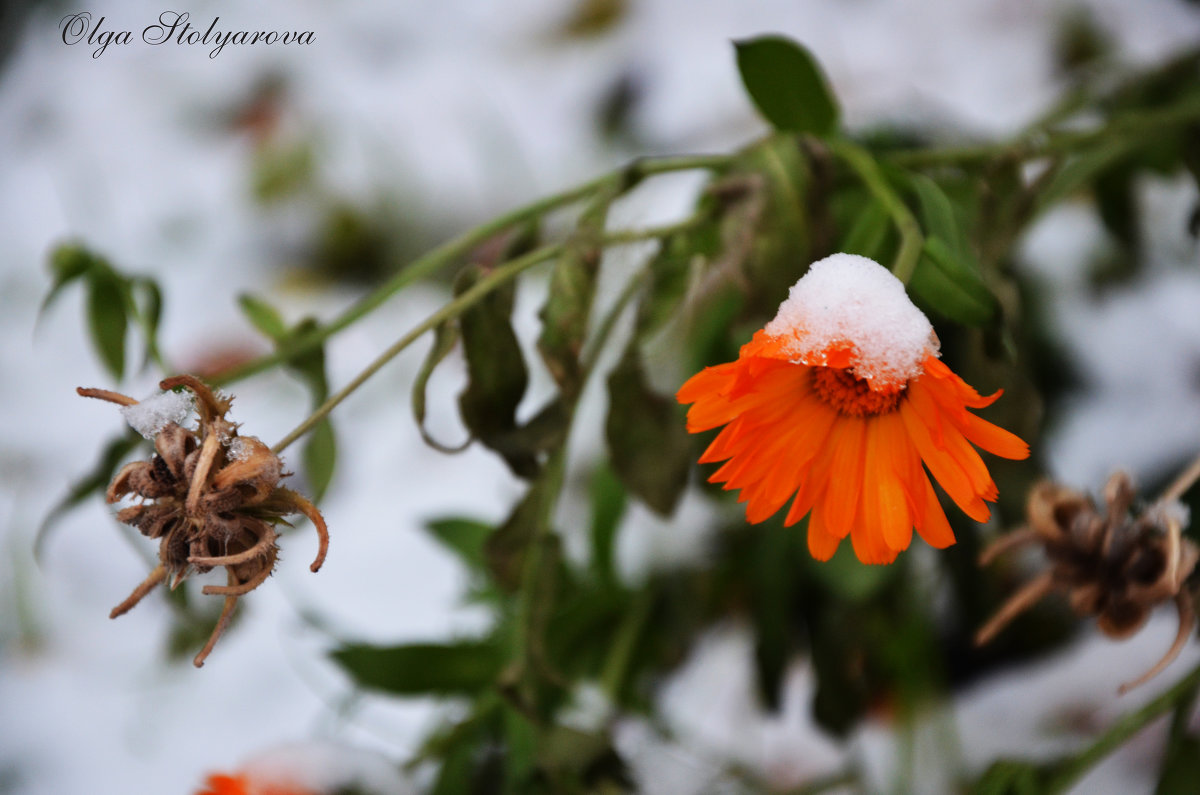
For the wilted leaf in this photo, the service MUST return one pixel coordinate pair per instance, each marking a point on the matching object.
(462, 668)
(647, 439)
(320, 457)
(565, 315)
(107, 318)
(787, 85)
(445, 337)
(496, 373)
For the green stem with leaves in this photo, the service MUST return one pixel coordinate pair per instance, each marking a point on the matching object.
(462, 245)
(911, 238)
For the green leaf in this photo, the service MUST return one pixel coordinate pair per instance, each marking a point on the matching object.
(320, 457)
(505, 549)
(263, 317)
(869, 231)
(849, 578)
(1181, 769)
(94, 482)
(608, 506)
(462, 668)
(786, 85)
(647, 440)
(464, 537)
(673, 271)
(950, 286)
(937, 214)
(107, 319)
(310, 365)
(445, 337)
(496, 373)
(68, 262)
(1009, 777)
(149, 313)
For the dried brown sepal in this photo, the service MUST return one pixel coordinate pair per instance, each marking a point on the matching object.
(1110, 565)
(212, 498)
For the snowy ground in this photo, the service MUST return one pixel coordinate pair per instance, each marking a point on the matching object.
(469, 108)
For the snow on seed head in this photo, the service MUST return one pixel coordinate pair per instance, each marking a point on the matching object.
(850, 302)
(153, 414)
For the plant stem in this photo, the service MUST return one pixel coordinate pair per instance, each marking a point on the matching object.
(450, 310)
(1072, 769)
(911, 239)
(1183, 481)
(460, 246)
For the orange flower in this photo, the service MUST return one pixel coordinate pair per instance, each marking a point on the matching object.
(835, 405)
(241, 784)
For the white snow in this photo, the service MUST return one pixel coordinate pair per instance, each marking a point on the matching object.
(849, 300)
(155, 412)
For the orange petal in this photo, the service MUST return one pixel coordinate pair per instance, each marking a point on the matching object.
(885, 504)
(822, 542)
(943, 466)
(995, 439)
(933, 526)
(845, 474)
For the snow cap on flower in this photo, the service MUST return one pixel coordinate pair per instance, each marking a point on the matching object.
(852, 303)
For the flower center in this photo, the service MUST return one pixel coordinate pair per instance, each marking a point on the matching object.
(849, 394)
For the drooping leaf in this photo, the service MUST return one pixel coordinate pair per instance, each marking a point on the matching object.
(149, 305)
(464, 537)
(445, 337)
(496, 372)
(952, 287)
(786, 85)
(68, 263)
(647, 440)
(462, 668)
(673, 270)
(569, 300)
(107, 318)
(320, 458)
(506, 547)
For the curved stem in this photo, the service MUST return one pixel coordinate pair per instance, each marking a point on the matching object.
(1183, 481)
(450, 310)
(911, 239)
(462, 245)
(1128, 725)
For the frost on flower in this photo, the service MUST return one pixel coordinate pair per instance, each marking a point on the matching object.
(841, 406)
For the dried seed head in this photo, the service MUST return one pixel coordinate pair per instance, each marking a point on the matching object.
(211, 497)
(1110, 564)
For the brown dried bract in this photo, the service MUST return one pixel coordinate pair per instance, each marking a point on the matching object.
(1111, 565)
(212, 498)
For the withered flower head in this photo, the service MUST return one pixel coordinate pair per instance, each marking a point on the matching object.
(211, 497)
(1111, 565)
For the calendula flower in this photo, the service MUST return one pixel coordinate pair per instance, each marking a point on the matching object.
(311, 768)
(840, 404)
(241, 784)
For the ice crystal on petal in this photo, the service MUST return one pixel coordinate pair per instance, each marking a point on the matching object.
(850, 302)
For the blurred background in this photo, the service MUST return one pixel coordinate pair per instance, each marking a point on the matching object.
(305, 173)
